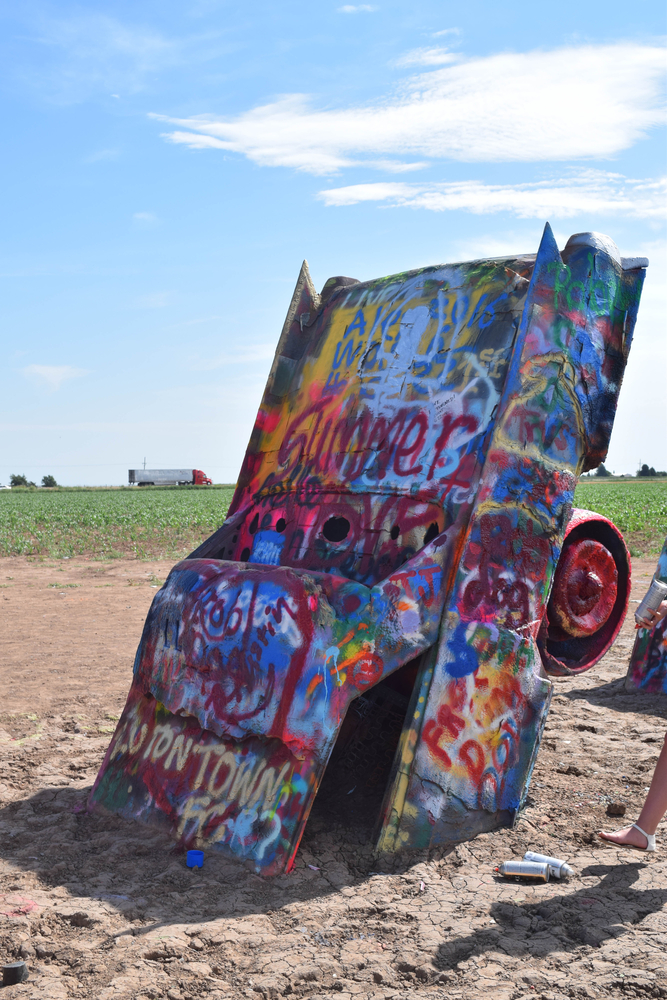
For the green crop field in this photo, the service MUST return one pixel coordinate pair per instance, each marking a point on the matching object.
(170, 522)
(637, 507)
(106, 523)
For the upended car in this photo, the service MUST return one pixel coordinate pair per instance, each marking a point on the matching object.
(401, 570)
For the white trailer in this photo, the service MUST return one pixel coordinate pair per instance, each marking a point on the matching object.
(167, 477)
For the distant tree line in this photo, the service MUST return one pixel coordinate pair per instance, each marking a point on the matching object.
(646, 471)
(15, 480)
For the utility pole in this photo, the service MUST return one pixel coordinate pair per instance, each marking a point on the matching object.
(144, 463)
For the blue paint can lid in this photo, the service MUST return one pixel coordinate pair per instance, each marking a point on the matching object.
(194, 859)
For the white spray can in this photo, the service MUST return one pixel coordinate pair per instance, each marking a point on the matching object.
(525, 869)
(654, 597)
(557, 868)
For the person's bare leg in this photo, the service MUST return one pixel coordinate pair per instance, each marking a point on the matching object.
(653, 810)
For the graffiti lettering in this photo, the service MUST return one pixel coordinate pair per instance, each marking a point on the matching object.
(363, 445)
(508, 558)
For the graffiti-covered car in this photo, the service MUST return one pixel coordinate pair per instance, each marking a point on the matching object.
(388, 560)
(647, 670)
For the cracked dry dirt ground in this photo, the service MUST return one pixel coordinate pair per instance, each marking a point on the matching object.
(108, 909)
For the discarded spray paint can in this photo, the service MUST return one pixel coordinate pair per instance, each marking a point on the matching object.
(657, 593)
(557, 868)
(525, 869)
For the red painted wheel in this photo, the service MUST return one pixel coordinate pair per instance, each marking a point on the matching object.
(589, 598)
(585, 588)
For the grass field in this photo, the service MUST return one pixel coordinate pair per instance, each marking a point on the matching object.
(638, 508)
(170, 522)
(107, 523)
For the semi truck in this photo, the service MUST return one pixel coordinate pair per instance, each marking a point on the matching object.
(168, 477)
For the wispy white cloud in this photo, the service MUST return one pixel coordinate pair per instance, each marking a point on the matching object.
(252, 353)
(397, 166)
(427, 57)
(93, 50)
(575, 102)
(88, 52)
(101, 155)
(53, 375)
(199, 321)
(358, 8)
(154, 300)
(590, 191)
(446, 31)
(145, 218)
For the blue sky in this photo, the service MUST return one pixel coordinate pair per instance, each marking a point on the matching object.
(167, 166)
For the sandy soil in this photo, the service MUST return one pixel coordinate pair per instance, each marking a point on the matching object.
(107, 909)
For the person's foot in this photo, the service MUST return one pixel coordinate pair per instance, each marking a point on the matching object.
(629, 836)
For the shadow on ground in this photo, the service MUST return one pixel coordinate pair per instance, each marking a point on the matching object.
(614, 695)
(562, 923)
(142, 874)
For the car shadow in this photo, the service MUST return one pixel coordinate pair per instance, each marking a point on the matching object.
(614, 695)
(562, 923)
(138, 872)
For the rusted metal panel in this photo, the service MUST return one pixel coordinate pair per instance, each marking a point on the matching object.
(648, 664)
(403, 499)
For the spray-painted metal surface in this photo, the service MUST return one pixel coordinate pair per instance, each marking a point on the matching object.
(648, 663)
(403, 500)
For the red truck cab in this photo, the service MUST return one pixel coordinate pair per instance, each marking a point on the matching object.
(199, 479)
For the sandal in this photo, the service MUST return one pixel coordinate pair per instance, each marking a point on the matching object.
(650, 841)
